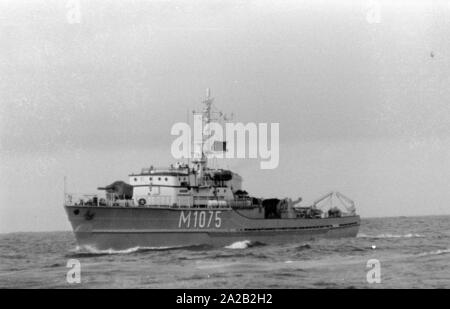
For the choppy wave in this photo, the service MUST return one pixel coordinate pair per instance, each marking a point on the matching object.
(303, 247)
(244, 244)
(435, 252)
(413, 247)
(381, 236)
(87, 251)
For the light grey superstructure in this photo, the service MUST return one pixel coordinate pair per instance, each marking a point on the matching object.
(190, 204)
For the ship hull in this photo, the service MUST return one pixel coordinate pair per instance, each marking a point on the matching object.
(121, 228)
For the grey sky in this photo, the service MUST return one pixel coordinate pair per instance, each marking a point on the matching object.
(363, 107)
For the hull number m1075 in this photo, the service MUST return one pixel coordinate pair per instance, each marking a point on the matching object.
(200, 219)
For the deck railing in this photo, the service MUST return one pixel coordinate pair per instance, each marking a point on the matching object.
(80, 199)
(75, 199)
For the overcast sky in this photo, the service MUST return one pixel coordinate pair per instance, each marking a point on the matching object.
(361, 90)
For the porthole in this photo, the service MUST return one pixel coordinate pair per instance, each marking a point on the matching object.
(165, 179)
(135, 179)
(159, 178)
(76, 212)
(150, 179)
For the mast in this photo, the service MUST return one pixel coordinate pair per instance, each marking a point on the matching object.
(206, 114)
(206, 121)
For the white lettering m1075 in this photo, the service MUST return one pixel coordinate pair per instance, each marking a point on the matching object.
(200, 219)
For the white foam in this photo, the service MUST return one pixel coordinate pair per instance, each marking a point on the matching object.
(436, 252)
(390, 236)
(92, 249)
(244, 244)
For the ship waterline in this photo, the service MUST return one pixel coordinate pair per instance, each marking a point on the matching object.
(121, 228)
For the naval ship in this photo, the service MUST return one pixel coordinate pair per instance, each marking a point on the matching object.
(191, 203)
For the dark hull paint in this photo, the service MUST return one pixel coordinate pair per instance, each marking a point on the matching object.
(120, 228)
